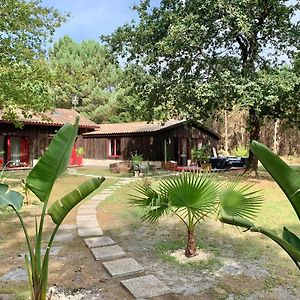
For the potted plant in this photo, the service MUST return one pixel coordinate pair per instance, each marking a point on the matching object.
(136, 160)
(201, 157)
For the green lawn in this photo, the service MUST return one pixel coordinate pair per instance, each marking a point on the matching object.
(263, 170)
(102, 171)
(225, 243)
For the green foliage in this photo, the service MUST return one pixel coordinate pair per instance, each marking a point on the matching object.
(236, 212)
(10, 198)
(241, 151)
(194, 194)
(87, 79)
(201, 155)
(28, 25)
(136, 160)
(243, 201)
(80, 151)
(192, 58)
(24, 76)
(197, 56)
(53, 163)
(193, 197)
(285, 176)
(59, 209)
(40, 181)
(190, 197)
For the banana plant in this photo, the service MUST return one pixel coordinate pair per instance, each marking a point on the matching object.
(40, 181)
(235, 211)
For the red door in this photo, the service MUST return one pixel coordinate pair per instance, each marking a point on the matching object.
(76, 158)
(73, 158)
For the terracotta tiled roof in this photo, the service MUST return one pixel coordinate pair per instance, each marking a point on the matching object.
(58, 117)
(141, 127)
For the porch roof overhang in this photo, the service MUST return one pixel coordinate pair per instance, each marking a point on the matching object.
(144, 128)
(57, 118)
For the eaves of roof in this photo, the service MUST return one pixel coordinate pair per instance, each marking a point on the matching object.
(149, 132)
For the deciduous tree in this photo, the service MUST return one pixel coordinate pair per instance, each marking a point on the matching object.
(25, 28)
(200, 56)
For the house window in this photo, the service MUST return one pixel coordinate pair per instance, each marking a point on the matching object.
(17, 151)
(114, 147)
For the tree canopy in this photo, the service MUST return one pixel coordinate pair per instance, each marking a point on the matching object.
(201, 56)
(87, 79)
(25, 28)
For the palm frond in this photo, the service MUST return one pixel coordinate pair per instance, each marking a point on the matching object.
(154, 204)
(240, 201)
(197, 193)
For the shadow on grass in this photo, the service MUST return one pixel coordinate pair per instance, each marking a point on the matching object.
(225, 243)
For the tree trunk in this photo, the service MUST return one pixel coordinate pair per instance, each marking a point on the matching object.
(254, 130)
(275, 139)
(191, 244)
(226, 148)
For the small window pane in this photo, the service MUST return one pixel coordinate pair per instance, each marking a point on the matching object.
(118, 147)
(15, 155)
(112, 147)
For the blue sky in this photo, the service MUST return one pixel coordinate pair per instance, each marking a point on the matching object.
(92, 18)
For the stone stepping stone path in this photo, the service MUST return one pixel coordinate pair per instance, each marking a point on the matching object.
(6, 297)
(87, 224)
(91, 205)
(107, 252)
(99, 241)
(145, 286)
(86, 211)
(104, 248)
(16, 275)
(81, 218)
(85, 232)
(66, 232)
(123, 267)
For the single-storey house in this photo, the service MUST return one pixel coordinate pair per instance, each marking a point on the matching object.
(20, 146)
(172, 140)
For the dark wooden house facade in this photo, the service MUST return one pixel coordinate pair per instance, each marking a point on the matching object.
(20, 146)
(172, 140)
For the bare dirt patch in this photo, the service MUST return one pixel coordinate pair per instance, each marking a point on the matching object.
(182, 259)
(239, 265)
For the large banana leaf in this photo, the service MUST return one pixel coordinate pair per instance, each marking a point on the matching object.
(285, 176)
(235, 220)
(53, 163)
(238, 205)
(60, 208)
(291, 247)
(289, 241)
(10, 198)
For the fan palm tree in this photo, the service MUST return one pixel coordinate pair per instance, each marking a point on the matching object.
(191, 197)
(239, 204)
